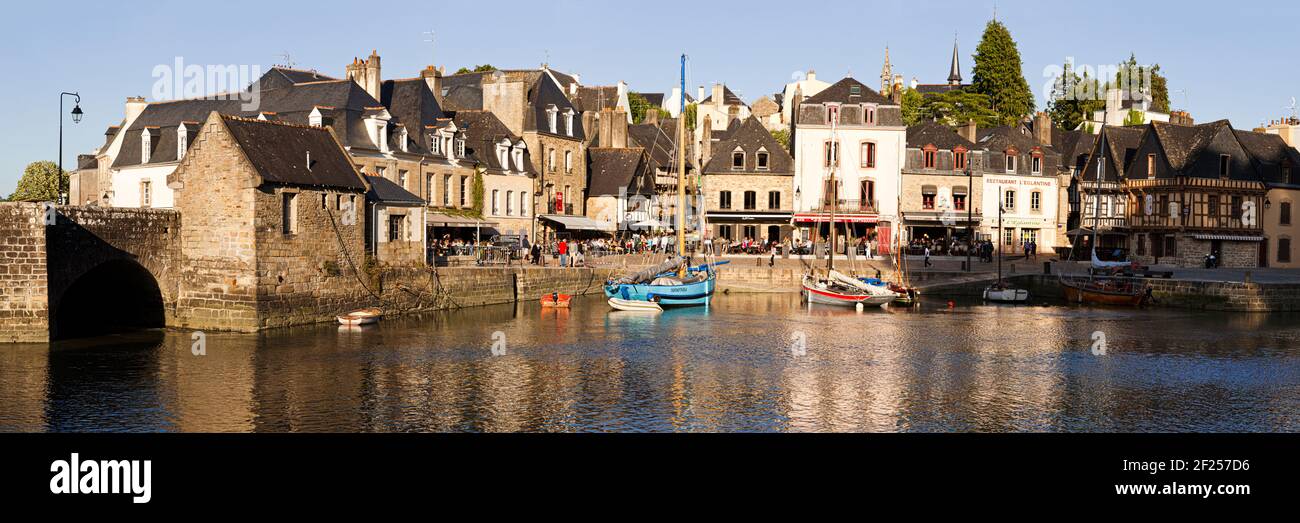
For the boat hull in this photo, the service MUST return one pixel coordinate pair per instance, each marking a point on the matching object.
(829, 297)
(1076, 293)
(684, 295)
(634, 305)
(1006, 295)
(552, 301)
(360, 317)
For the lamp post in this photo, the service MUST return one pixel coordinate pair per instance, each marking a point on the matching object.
(76, 118)
(970, 194)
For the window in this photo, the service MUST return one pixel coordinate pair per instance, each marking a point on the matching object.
(751, 231)
(1011, 163)
(523, 203)
(1141, 244)
(832, 114)
(959, 160)
(1284, 250)
(568, 161)
(761, 161)
(464, 191)
(929, 159)
(959, 202)
(1225, 162)
(460, 147)
(1171, 245)
(1036, 165)
(550, 115)
(510, 203)
(395, 226)
(1284, 210)
(1008, 236)
(289, 213)
(550, 160)
(446, 190)
(751, 200)
(568, 122)
(927, 201)
(182, 141)
(724, 232)
(1236, 207)
(324, 203)
(724, 200)
(831, 153)
(146, 146)
(401, 179)
(1151, 166)
(1214, 206)
(146, 193)
(774, 200)
(868, 155)
(737, 161)
(867, 193)
(1036, 201)
(871, 115)
(1164, 206)
(434, 145)
(1009, 201)
(379, 171)
(1286, 174)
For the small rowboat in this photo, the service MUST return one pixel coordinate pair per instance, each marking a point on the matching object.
(1000, 292)
(556, 299)
(361, 317)
(635, 305)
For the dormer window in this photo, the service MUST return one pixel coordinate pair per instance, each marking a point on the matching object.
(146, 146)
(1225, 165)
(182, 141)
(738, 160)
(551, 113)
(460, 147)
(929, 157)
(435, 144)
(518, 153)
(959, 159)
(568, 122)
(760, 160)
(1036, 164)
(1011, 163)
(315, 118)
(403, 139)
(503, 154)
(832, 114)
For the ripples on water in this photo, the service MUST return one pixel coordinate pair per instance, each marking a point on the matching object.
(730, 368)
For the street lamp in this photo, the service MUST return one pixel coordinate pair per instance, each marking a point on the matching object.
(76, 118)
(970, 194)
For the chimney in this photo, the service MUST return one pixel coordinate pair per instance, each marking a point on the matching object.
(812, 75)
(433, 78)
(366, 73)
(1180, 118)
(699, 94)
(706, 141)
(897, 95)
(134, 106)
(618, 129)
(968, 130)
(651, 116)
(718, 99)
(590, 125)
(1043, 128)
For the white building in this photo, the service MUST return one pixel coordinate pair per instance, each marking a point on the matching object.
(860, 134)
(806, 87)
(1119, 104)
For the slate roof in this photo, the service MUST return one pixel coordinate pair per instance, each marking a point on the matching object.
(655, 99)
(1072, 144)
(751, 137)
(387, 191)
(1118, 141)
(1183, 144)
(728, 97)
(483, 130)
(278, 77)
(279, 152)
(999, 139)
(166, 117)
(465, 92)
(412, 103)
(937, 134)
(659, 141)
(613, 168)
(1270, 153)
(843, 92)
(595, 98)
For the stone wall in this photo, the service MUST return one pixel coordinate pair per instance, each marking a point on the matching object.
(24, 295)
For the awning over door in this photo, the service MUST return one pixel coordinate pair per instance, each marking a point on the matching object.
(578, 223)
(447, 220)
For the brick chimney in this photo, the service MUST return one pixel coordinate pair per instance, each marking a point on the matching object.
(718, 98)
(134, 106)
(591, 125)
(1043, 128)
(969, 130)
(613, 128)
(366, 73)
(706, 140)
(651, 116)
(1180, 118)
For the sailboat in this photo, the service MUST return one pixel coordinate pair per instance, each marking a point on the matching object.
(1103, 290)
(836, 288)
(1002, 291)
(673, 282)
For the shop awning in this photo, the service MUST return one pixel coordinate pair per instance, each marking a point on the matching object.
(447, 220)
(578, 223)
(929, 189)
(941, 216)
(1228, 237)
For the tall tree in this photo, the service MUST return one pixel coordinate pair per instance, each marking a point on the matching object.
(1074, 98)
(950, 108)
(41, 182)
(999, 76)
(477, 69)
(1132, 74)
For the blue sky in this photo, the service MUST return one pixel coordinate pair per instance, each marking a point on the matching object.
(1235, 63)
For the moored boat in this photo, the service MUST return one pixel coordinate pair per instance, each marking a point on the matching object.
(556, 299)
(634, 305)
(1105, 291)
(1005, 294)
(838, 289)
(359, 317)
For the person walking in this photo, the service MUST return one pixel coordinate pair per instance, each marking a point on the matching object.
(927, 256)
(563, 249)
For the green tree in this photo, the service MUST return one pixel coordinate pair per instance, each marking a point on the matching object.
(1134, 117)
(689, 115)
(477, 69)
(41, 182)
(1074, 98)
(950, 108)
(998, 74)
(639, 107)
(782, 136)
(1132, 74)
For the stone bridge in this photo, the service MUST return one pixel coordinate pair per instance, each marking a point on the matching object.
(92, 270)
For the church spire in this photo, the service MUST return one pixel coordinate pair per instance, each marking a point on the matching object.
(886, 76)
(954, 73)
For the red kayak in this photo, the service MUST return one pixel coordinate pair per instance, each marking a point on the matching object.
(556, 299)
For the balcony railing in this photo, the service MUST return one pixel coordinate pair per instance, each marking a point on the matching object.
(847, 206)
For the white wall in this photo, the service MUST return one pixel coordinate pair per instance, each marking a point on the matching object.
(1022, 217)
(126, 186)
(810, 169)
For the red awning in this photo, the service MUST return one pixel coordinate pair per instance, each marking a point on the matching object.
(839, 218)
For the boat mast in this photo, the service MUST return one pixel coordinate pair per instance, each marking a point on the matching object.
(1000, 232)
(835, 190)
(1096, 211)
(681, 167)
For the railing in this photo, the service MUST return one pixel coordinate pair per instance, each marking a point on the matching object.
(847, 206)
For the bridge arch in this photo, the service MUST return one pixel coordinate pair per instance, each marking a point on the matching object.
(115, 296)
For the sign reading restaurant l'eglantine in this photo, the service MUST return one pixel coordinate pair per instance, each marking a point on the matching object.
(1021, 181)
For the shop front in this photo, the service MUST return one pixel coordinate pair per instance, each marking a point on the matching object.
(859, 226)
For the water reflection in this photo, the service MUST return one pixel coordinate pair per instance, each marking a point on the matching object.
(729, 367)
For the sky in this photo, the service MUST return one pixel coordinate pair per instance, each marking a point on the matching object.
(1234, 62)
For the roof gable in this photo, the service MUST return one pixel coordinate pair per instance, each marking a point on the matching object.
(750, 137)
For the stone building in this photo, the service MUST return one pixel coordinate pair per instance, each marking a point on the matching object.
(500, 159)
(273, 232)
(719, 108)
(395, 233)
(1276, 161)
(533, 104)
(1020, 175)
(622, 189)
(1098, 189)
(748, 181)
(943, 182)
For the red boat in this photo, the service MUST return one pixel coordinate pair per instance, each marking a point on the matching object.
(1106, 291)
(556, 299)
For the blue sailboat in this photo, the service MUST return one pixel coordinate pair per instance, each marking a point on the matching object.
(674, 282)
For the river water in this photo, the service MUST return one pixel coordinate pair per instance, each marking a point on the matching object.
(763, 362)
